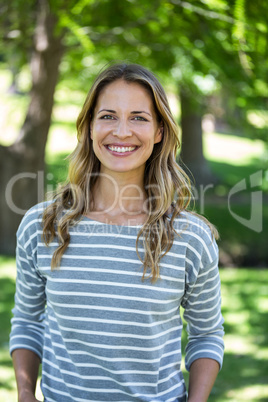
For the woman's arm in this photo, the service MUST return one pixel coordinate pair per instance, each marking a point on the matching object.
(26, 364)
(202, 304)
(27, 323)
(203, 373)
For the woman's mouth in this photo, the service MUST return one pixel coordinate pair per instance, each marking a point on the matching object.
(115, 149)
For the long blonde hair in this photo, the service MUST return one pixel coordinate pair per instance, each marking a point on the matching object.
(163, 178)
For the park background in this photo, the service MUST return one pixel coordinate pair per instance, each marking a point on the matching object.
(212, 58)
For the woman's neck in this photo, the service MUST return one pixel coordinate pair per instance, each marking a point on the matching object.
(119, 195)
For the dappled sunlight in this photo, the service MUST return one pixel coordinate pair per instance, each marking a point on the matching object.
(252, 393)
(66, 113)
(7, 267)
(263, 352)
(13, 106)
(258, 118)
(240, 345)
(61, 139)
(240, 319)
(237, 150)
(12, 114)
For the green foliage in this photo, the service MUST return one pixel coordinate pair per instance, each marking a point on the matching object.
(191, 43)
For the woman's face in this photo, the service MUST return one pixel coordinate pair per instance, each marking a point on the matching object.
(124, 128)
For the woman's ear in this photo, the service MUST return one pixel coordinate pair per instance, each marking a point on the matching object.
(159, 133)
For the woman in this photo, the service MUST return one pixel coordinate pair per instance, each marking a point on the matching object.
(104, 267)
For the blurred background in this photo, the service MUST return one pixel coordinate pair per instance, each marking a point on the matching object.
(212, 58)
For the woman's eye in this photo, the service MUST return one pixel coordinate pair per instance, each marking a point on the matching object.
(140, 118)
(107, 117)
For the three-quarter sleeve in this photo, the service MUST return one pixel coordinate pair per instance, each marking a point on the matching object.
(202, 303)
(27, 324)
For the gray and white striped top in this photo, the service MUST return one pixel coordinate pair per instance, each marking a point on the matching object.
(102, 333)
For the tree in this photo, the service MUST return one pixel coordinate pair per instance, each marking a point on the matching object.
(21, 162)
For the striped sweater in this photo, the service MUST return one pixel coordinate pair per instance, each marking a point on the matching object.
(102, 333)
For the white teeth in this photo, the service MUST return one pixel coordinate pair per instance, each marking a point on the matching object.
(121, 149)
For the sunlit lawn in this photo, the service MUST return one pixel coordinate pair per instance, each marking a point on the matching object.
(244, 376)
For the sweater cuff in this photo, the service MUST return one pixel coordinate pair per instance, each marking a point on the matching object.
(208, 350)
(26, 339)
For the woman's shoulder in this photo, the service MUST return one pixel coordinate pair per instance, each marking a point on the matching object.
(192, 222)
(36, 211)
(199, 235)
(32, 219)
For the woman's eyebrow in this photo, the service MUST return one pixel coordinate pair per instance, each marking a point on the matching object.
(107, 110)
(141, 111)
(134, 112)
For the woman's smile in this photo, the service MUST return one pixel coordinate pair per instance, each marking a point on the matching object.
(121, 150)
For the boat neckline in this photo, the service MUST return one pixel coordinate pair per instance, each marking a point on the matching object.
(110, 224)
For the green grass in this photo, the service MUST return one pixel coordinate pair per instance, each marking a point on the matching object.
(245, 309)
(244, 376)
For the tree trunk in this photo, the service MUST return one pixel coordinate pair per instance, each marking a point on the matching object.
(192, 142)
(22, 164)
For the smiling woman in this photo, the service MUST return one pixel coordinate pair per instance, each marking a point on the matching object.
(106, 324)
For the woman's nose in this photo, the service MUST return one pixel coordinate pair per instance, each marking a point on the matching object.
(122, 130)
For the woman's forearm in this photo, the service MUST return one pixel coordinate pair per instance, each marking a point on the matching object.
(203, 373)
(26, 365)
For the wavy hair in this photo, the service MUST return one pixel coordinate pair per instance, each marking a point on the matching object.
(164, 179)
